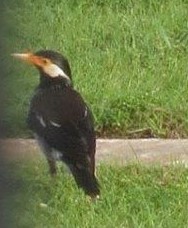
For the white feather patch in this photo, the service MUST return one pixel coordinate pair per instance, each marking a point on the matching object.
(41, 120)
(55, 124)
(57, 155)
(85, 113)
(55, 71)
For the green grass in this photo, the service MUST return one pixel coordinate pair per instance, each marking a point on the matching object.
(131, 196)
(128, 58)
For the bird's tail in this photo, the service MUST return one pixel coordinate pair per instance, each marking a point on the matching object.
(86, 180)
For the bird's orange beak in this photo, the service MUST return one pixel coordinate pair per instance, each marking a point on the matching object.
(31, 58)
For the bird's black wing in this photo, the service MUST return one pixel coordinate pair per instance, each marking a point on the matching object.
(65, 122)
(63, 119)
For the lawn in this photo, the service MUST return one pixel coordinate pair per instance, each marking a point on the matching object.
(128, 59)
(129, 62)
(131, 196)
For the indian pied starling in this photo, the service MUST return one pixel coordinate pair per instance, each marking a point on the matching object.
(61, 120)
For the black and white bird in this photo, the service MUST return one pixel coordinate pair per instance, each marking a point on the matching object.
(61, 120)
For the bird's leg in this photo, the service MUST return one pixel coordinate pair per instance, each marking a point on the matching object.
(52, 167)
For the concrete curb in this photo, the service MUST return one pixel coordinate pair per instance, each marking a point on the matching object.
(118, 151)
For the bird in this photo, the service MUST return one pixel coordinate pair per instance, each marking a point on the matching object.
(61, 121)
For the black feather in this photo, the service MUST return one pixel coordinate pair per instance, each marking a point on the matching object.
(59, 116)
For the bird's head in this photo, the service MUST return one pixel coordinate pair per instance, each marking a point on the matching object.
(51, 64)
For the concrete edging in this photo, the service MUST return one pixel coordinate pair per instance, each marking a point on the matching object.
(118, 151)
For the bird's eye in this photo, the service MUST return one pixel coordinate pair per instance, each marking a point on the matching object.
(45, 61)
